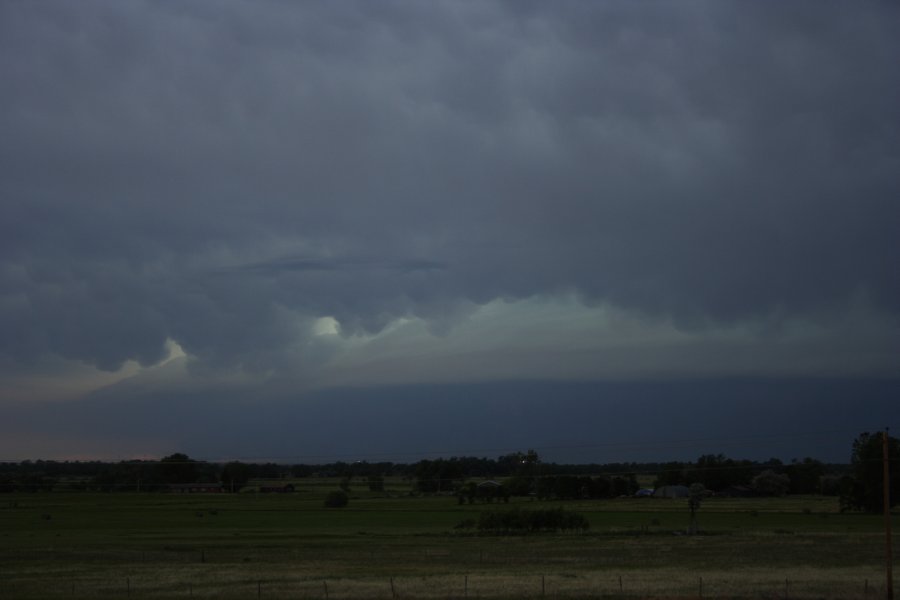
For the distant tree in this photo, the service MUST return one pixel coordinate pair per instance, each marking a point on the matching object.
(567, 487)
(717, 472)
(528, 462)
(625, 485)
(602, 487)
(336, 499)
(770, 483)
(864, 489)
(441, 475)
(805, 476)
(519, 485)
(830, 485)
(672, 473)
(545, 486)
(235, 476)
(301, 471)
(468, 491)
(178, 468)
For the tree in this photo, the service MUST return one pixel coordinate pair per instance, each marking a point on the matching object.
(519, 485)
(235, 475)
(717, 472)
(806, 476)
(770, 483)
(441, 475)
(178, 468)
(864, 489)
(625, 485)
(672, 473)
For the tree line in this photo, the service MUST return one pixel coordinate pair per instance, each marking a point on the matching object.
(857, 484)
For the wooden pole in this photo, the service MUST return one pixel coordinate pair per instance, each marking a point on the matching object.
(889, 560)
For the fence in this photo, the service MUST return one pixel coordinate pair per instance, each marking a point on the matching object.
(636, 584)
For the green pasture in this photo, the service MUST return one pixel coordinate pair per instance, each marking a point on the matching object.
(392, 545)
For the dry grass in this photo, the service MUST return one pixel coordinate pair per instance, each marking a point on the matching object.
(159, 547)
(302, 582)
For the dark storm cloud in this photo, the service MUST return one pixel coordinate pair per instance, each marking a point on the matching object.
(712, 162)
(292, 263)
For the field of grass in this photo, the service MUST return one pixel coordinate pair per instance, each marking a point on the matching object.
(249, 545)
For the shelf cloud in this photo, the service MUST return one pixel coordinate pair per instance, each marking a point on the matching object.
(437, 179)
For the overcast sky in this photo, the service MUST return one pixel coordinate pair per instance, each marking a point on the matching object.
(280, 199)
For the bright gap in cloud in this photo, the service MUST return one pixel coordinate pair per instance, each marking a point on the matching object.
(562, 338)
(326, 326)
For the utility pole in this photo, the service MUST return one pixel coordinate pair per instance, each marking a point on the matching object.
(887, 515)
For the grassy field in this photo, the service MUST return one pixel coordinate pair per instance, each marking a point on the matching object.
(248, 545)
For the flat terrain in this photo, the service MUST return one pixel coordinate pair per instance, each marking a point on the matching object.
(249, 545)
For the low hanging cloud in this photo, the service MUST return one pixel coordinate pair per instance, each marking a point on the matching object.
(223, 174)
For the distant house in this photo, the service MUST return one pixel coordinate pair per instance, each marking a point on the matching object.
(196, 488)
(672, 491)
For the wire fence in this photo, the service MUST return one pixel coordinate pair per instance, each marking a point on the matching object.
(599, 584)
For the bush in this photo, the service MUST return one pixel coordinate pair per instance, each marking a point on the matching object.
(531, 521)
(336, 499)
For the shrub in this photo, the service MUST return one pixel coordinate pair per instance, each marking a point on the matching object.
(336, 499)
(531, 521)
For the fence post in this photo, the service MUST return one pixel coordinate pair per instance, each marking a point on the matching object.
(466, 587)
(325, 585)
(128, 586)
(701, 587)
(393, 593)
(621, 590)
